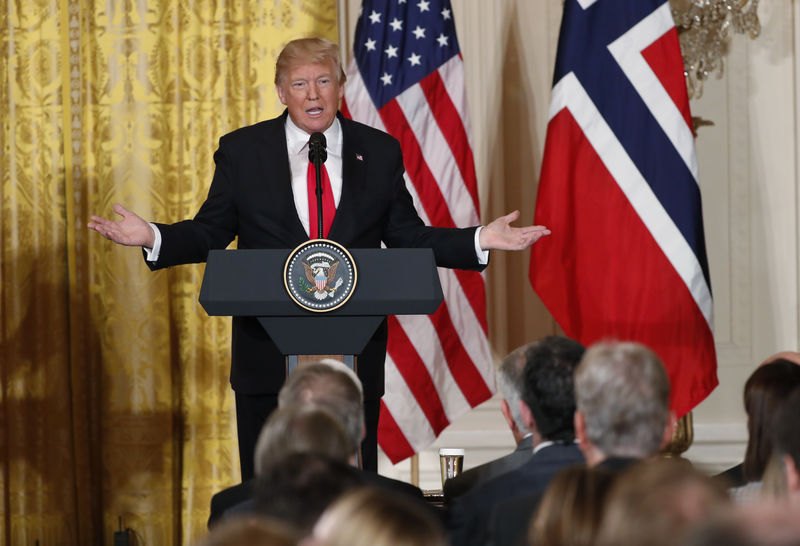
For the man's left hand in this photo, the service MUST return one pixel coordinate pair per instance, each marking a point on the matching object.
(500, 235)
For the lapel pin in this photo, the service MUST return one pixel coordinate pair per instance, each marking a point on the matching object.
(360, 157)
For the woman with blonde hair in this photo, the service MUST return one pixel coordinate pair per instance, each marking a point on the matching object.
(371, 517)
(571, 508)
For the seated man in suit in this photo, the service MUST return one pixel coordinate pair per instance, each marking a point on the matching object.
(333, 387)
(548, 408)
(260, 196)
(510, 382)
(622, 416)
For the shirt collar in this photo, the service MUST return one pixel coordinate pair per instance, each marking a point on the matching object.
(297, 139)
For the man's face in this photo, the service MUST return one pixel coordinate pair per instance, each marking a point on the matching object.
(311, 92)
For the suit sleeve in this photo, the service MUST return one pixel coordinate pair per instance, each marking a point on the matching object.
(214, 226)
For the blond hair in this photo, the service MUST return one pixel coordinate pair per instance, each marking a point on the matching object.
(371, 517)
(308, 51)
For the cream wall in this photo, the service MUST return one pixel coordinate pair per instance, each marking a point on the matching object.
(748, 178)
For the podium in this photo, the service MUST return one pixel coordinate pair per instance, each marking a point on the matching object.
(250, 282)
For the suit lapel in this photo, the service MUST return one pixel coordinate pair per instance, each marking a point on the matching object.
(354, 160)
(274, 157)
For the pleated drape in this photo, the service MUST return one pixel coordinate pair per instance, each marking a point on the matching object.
(114, 394)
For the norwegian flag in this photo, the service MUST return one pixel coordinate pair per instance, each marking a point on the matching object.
(619, 190)
(407, 79)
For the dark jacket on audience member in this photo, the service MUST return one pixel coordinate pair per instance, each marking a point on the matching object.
(243, 492)
(474, 477)
(510, 519)
(470, 513)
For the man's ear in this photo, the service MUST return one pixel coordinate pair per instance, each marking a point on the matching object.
(527, 416)
(669, 430)
(579, 422)
(281, 94)
(363, 432)
(506, 411)
(792, 474)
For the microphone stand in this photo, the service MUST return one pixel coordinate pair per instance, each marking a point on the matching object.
(317, 154)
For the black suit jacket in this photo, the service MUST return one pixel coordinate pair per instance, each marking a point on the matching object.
(511, 518)
(251, 198)
(238, 494)
(464, 482)
(470, 514)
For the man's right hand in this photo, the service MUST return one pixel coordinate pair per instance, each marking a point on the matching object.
(131, 230)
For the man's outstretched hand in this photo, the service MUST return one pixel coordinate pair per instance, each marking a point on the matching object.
(500, 235)
(131, 230)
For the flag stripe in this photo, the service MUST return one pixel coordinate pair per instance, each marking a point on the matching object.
(570, 94)
(427, 189)
(394, 443)
(618, 187)
(410, 83)
(416, 376)
(437, 155)
(452, 128)
(430, 351)
(627, 50)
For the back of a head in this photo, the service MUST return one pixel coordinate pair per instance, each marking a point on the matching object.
(549, 385)
(250, 531)
(511, 381)
(761, 524)
(300, 429)
(658, 502)
(786, 436)
(765, 392)
(622, 391)
(298, 488)
(372, 517)
(570, 511)
(332, 389)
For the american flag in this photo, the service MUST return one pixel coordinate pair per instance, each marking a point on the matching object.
(619, 190)
(407, 79)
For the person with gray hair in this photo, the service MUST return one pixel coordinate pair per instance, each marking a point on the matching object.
(510, 383)
(547, 407)
(622, 397)
(329, 386)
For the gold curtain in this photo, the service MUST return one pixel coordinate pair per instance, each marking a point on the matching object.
(114, 392)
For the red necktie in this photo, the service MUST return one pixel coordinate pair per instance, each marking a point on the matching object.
(328, 208)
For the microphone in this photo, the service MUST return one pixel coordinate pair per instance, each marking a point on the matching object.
(317, 154)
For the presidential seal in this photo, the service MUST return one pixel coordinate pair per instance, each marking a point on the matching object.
(320, 275)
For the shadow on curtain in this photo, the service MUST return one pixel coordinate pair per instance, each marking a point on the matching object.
(114, 398)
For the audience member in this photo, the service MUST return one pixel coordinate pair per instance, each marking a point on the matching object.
(333, 387)
(735, 476)
(622, 416)
(571, 508)
(370, 517)
(299, 488)
(786, 448)
(547, 407)
(249, 531)
(300, 429)
(658, 503)
(761, 524)
(764, 394)
(622, 394)
(510, 383)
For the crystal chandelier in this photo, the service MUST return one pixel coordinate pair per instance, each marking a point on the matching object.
(704, 29)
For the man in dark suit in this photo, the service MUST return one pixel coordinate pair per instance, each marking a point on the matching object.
(333, 388)
(260, 195)
(548, 409)
(622, 416)
(510, 383)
